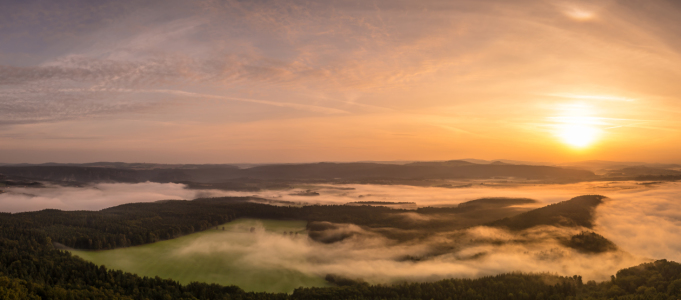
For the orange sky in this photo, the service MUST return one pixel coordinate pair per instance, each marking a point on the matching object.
(294, 81)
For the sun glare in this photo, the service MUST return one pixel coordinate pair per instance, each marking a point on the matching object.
(576, 125)
(578, 135)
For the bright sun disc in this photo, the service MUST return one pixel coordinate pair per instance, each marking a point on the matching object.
(578, 135)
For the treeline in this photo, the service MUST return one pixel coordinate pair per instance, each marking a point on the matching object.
(504, 286)
(30, 268)
(660, 280)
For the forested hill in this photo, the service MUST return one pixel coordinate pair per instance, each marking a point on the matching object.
(292, 172)
(141, 223)
(578, 211)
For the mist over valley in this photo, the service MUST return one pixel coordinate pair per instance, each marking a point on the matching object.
(428, 230)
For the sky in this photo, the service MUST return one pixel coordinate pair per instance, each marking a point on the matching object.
(303, 81)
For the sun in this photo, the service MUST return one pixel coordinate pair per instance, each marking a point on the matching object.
(577, 124)
(578, 135)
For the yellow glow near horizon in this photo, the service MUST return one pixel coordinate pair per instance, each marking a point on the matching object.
(578, 135)
(577, 125)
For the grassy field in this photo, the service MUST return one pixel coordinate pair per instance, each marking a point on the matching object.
(248, 253)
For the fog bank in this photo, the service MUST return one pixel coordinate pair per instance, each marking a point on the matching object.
(104, 195)
(375, 259)
(94, 197)
(645, 222)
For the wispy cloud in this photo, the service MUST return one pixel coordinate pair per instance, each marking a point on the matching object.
(592, 97)
(313, 108)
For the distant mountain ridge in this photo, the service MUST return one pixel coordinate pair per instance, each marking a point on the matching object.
(123, 165)
(603, 165)
(455, 169)
(250, 174)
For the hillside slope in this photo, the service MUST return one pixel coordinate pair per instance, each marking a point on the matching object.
(578, 211)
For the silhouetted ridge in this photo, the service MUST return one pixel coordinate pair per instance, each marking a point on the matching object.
(72, 174)
(496, 202)
(445, 170)
(575, 212)
(450, 163)
(293, 172)
(590, 242)
(377, 203)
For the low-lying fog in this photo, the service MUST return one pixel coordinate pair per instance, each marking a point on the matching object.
(92, 197)
(104, 195)
(378, 260)
(642, 219)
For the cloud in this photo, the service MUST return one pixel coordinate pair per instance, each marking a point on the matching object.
(313, 108)
(94, 197)
(78, 87)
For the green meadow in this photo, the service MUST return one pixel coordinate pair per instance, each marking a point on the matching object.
(256, 255)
